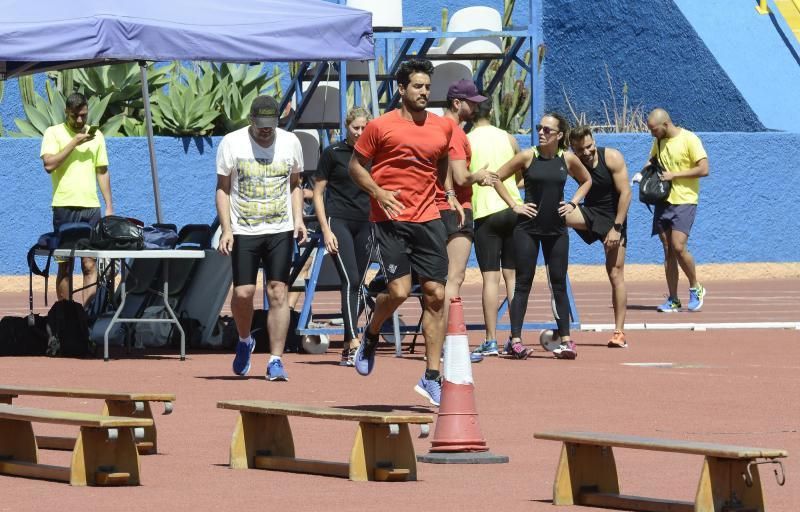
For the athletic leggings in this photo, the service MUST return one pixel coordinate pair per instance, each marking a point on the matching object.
(526, 252)
(351, 262)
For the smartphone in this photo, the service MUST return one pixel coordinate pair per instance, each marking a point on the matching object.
(91, 131)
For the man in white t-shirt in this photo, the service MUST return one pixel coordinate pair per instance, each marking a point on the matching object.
(260, 207)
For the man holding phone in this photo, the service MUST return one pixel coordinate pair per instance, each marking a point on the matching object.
(260, 206)
(74, 155)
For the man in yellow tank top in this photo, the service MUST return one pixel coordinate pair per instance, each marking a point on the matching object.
(682, 155)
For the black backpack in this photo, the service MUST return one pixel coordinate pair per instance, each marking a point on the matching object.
(68, 328)
(23, 336)
(652, 189)
(117, 233)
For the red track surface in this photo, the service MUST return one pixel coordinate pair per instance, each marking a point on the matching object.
(736, 387)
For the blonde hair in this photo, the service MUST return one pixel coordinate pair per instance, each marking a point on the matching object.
(356, 112)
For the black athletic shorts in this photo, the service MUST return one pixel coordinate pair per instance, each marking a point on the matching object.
(494, 241)
(65, 214)
(421, 246)
(598, 223)
(450, 219)
(271, 252)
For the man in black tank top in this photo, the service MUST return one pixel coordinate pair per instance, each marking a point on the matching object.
(603, 214)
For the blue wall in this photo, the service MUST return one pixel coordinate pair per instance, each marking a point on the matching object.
(647, 44)
(745, 213)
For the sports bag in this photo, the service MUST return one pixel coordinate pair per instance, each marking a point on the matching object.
(68, 328)
(23, 336)
(117, 233)
(652, 189)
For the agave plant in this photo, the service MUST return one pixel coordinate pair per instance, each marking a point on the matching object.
(238, 85)
(188, 106)
(123, 83)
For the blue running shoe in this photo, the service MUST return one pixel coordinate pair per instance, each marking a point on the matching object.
(430, 389)
(670, 306)
(487, 348)
(275, 371)
(364, 360)
(475, 357)
(508, 348)
(696, 296)
(241, 362)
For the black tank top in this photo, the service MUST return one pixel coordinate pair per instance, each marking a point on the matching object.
(603, 194)
(544, 186)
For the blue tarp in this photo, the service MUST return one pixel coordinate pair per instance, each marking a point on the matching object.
(43, 35)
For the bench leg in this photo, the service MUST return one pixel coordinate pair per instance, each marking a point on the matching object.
(380, 454)
(6, 399)
(149, 443)
(17, 441)
(100, 460)
(260, 434)
(583, 467)
(722, 483)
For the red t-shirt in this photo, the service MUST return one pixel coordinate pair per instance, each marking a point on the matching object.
(404, 157)
(460, 150)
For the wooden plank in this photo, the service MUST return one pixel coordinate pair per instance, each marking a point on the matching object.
(55, 442)
(34, 470)
(625, 502)
(87, 393)
(331, 413)
(294, 465)
(663, 445)
(70, 418)
(391, 475)
(106, 478)
(260, 434)
(94, 453)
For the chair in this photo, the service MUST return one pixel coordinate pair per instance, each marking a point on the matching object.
(471, 19)
(323, 106)
(446, 72)
(309, 140)
(387, 15)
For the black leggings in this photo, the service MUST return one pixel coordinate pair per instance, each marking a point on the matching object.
(556, 254)
(351, 262)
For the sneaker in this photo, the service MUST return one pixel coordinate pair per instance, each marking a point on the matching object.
(241, 362)
(507, 347)
(567, 350)
(670, 306)
(696, 296)
(475, 357)
(348, 357)
(519, 351)
(275, 371)
(617, 340)
(487, 348)
(364, 359)
(430, 389)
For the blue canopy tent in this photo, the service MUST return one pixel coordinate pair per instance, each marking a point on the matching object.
(51, 35)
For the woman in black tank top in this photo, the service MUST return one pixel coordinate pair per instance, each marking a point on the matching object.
(540, 223)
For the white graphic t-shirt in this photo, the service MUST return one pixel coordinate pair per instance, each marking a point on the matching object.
(261, 201)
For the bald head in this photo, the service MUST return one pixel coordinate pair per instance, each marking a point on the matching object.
(660, 124)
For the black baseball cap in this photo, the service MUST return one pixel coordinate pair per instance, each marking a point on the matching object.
(464, 89)
(265, 112)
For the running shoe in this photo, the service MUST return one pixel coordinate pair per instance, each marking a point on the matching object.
(567, 350)
(671, 305)
(617, 340)
(487, 348)
(475, 357)
(519, 351)
(507, 347)
(241, 362)
(364, 359)
(430, 389)
(696, 296)
(275, 371)
(348, 357)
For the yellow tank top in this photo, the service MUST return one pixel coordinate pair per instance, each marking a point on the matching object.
(490, 146)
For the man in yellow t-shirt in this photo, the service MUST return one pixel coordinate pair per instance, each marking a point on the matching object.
(685, 161)
(74, 155)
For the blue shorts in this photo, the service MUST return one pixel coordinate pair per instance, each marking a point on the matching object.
(676, 217)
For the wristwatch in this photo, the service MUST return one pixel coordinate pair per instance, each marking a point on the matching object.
(618, 227)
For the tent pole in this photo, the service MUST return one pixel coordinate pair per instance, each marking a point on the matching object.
(373, 89)
(148, 121)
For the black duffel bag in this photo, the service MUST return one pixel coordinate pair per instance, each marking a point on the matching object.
(117, 233)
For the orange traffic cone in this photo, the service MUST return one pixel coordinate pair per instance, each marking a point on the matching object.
(458, 437)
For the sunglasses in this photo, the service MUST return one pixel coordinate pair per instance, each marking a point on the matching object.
(546, 129)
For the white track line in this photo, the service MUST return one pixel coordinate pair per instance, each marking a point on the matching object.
(693, 326)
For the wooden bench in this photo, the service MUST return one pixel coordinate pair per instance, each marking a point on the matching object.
(382, 449)
(134, 405)
(104, 452)
(729, 480)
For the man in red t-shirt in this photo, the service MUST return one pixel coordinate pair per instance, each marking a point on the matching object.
(407, 149)
(462, 101)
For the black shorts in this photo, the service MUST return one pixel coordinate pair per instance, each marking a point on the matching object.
(598, 223)
(271, 252)
(64, 214)
(450, 219)
(494, 241)
(421, 246)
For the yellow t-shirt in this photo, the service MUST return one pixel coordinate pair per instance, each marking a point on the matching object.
(679, 154)
(490, 145)
(75, 180)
